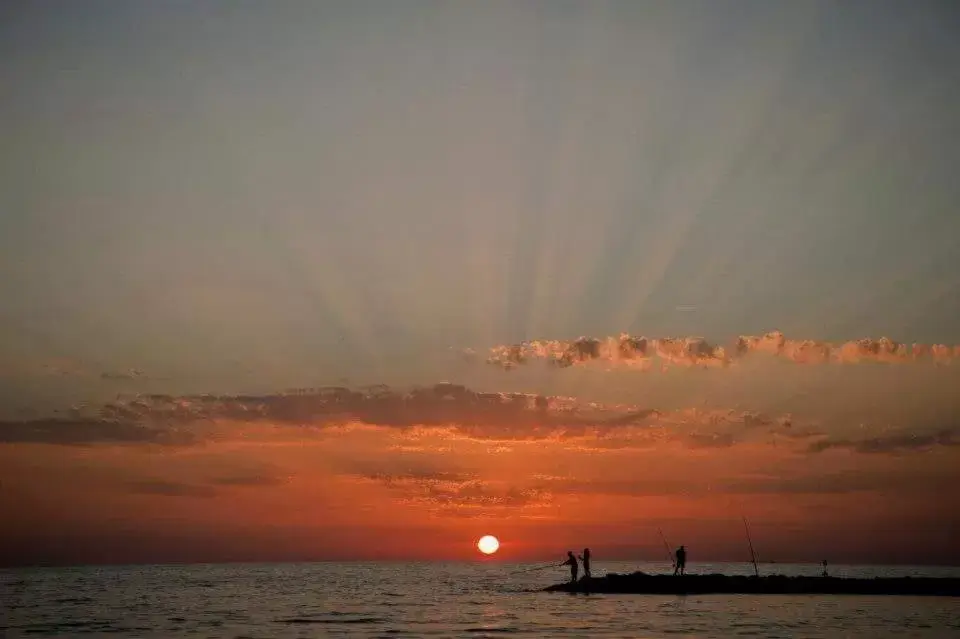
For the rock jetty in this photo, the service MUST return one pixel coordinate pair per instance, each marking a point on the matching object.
(646, 584)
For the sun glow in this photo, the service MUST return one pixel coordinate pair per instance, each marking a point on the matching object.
(488, 544)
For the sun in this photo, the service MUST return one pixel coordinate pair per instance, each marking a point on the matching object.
(488, 544)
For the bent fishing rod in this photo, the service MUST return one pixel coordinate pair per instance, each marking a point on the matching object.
(753, 555)
(666, 547)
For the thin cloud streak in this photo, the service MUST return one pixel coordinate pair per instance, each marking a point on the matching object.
(81, 431)
(170, 489)
(892, 444)
(463, 495)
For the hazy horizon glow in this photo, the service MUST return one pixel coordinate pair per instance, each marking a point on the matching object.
(372, 279)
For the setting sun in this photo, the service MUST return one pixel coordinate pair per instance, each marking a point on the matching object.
(488, 544)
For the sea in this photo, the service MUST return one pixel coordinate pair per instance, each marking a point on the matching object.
(483, 599)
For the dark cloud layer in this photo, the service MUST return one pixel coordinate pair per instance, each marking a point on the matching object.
(163, 419)
(443, 409)
(90, 430)
(248, 480)
(170, 489)
(892, 444)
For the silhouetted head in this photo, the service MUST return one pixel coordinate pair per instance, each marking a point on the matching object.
(682, 548)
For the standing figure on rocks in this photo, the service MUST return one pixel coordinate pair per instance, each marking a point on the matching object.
(824, 563)
(574, 566)
(585, 558)
(681, 561)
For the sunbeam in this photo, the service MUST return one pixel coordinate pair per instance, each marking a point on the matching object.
(373, 279)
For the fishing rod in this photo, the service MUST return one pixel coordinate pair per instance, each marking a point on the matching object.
(666, 547)
(753, 555)
(535, 568)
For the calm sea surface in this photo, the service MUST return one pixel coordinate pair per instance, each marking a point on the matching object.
(436, 600)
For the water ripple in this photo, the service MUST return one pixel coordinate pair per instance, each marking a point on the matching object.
(366, 600)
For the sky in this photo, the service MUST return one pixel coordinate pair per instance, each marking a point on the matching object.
(367, 280)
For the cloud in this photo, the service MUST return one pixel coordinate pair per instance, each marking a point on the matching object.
(644, 353)
(646, 487)
(65, 367)
(128, 375)
(892, 444)
(170, 489)
(254, 479)
(202, 488)
(856, 351)
(427, 419)
(464, 493)
(80, 431)
(843, 481)
(471, 494)
(840, 482)
(170, 419)
(711, 440)
(634, 352)
(62, 367)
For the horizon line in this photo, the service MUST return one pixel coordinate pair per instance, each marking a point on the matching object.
(481, 560)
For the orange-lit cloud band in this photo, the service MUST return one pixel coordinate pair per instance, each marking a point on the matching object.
(644, 353)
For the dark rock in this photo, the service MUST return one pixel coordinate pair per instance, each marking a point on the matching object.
(642, 583)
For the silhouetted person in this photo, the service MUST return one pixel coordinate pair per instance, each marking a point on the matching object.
(681, 564)
(574, 566)
(585, 558)
(824, 562)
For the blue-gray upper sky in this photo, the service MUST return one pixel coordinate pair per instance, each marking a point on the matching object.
(261, 193)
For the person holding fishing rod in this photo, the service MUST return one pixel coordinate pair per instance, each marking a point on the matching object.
(571, 561)
(574, 566)
(681, 563)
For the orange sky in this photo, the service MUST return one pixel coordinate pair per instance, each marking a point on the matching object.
(380, 473)
(203, 206)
